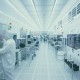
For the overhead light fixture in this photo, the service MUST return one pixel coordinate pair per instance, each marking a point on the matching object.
(13, 19)
(33, 3)
(29, 22)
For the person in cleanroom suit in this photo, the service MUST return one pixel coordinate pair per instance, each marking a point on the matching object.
(8, 55)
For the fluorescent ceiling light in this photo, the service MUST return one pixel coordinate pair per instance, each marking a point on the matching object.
(14, 19)
(36, 12)
(29, 22)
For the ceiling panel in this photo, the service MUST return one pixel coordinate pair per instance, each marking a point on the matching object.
(50, 2)
(30, 8)
(44, 2)
(46, 11)
(58, 7)
(40, 8)
(61, 1)
(40, 2)
(26, 2)
(48, 8)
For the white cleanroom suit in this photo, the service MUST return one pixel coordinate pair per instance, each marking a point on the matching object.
(8, 56)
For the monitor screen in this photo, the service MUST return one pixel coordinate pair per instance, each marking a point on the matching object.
(29, 42)
(22, 45)
(29, 36)
(34, 39)
(73, 41)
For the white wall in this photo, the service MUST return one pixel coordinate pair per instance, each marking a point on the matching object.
(66, 26)
(69, 27)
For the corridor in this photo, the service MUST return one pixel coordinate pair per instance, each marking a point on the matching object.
(40, 39)
(45, 66)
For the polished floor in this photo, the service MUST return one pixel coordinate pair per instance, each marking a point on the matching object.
(45, 66)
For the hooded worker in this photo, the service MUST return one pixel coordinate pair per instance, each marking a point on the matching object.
(8, 55)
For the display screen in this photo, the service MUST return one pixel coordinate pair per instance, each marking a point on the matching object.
(29, 42)
(73, 40)
(29, 36)
(22, 45)
(34, 39)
